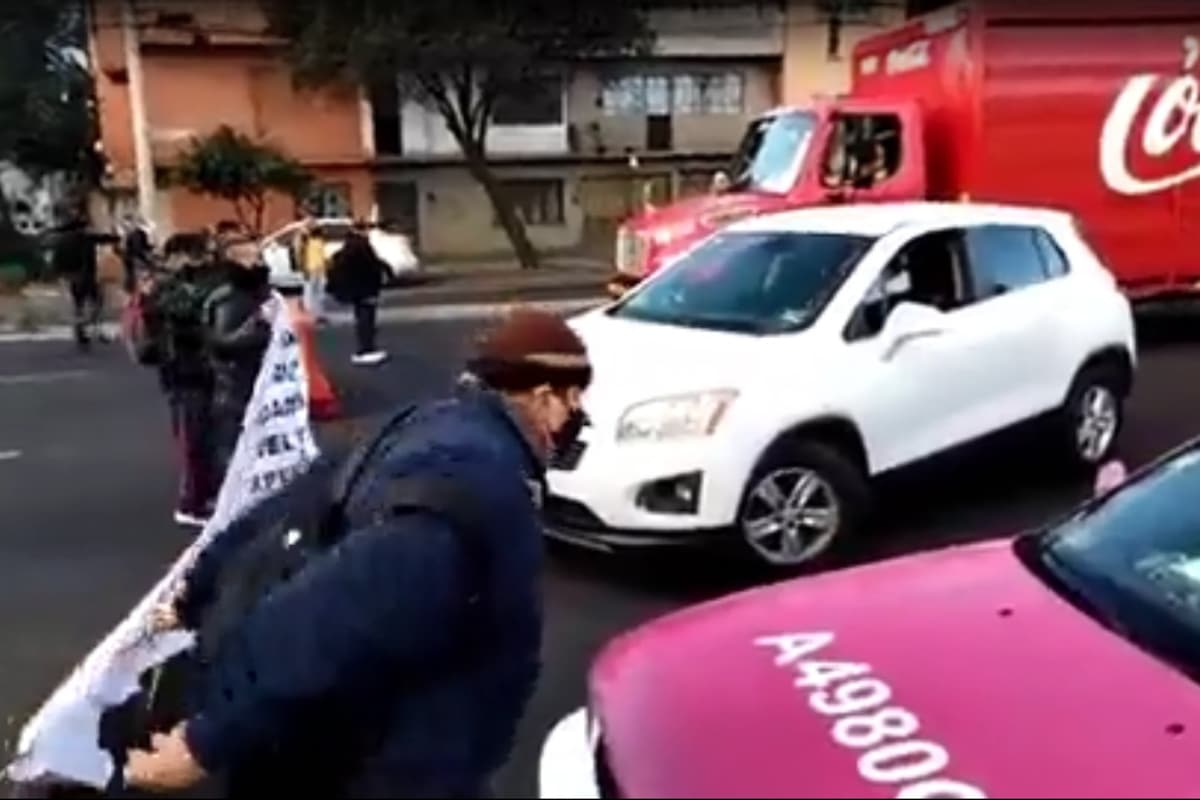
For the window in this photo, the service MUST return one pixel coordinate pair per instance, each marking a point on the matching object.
(722, 94)
(1052, 256)
(538, 201)
(685, 93)
(659, 133)
(754, 283)
(1004, 258)
(537, 102)
(864, 151)
(928, 270)
(329, 200)
(624, 96)
(385, 119)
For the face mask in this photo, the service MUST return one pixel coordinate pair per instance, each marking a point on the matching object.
(568, 434)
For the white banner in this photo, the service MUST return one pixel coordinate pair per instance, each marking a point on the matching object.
(60, 742)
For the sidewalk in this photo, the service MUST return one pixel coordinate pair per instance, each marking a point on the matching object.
(442, 291)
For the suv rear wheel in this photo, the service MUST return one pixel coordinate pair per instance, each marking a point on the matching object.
(803, 504)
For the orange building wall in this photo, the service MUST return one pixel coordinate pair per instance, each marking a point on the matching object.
(238, 78)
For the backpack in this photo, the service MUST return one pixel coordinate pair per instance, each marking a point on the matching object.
(304, 521)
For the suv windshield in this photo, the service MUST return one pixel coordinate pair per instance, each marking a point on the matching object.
(760, 283)
(1132, 560)
(772, 152)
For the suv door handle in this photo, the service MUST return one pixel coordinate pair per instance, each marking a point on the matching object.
(910, 336)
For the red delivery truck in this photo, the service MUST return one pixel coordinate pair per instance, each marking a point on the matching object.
(1088, 107)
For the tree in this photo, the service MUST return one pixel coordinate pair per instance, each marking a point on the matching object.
(457, 57)
(232, 166)
(47, 112)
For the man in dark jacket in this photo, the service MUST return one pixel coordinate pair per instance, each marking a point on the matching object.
(356, 276)
(238, 335)
(75, 261)
(399, 664)
(173, 312)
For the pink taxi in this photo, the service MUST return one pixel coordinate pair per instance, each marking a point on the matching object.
(1062, 663)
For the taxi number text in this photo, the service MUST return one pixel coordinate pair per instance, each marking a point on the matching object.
(887, 735)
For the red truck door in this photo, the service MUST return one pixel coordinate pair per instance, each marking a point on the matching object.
(874, 152)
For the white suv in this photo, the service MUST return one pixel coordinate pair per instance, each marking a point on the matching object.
(757, 384)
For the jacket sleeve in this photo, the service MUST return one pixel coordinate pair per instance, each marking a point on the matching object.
(383, 601)
(230, 335)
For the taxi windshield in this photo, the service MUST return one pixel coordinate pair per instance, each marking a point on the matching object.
(757, 283)
(1132, 559)
(772, 152)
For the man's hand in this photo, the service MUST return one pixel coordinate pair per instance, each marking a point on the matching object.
(167, 767)
(164, 617)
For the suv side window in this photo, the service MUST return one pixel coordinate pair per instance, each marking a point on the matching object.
(1053, 258)
(1005, 258)
(929, 270)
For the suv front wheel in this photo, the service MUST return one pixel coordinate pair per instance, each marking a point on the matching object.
(803, 504)
(1093, 415)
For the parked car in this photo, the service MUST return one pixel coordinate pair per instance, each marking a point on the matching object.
(1062, 663)
(279, 251)
(759, 383)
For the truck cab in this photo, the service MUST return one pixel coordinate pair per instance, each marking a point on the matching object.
(836, 150)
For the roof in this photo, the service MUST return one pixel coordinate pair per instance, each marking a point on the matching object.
(878, 219)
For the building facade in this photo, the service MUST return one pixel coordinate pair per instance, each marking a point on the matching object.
(170, 70)
(590, 145)
(591, 142)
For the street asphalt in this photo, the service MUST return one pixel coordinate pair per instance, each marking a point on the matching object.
(87, 482)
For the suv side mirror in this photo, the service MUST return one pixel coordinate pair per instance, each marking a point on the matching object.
(909, 321)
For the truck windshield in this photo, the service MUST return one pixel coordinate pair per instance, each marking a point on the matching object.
(772, 152)
(1132, 560)
(755, 283)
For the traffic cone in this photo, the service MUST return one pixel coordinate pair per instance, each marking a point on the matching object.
(323, 403)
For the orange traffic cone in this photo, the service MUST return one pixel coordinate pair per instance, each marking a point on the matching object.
(323, 402)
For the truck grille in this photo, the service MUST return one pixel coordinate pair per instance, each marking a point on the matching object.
(631, 252)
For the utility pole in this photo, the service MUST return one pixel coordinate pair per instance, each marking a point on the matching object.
(142, 154)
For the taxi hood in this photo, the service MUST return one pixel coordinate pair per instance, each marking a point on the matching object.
(965, 667)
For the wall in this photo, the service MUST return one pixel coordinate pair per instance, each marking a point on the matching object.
(190, 92)
(424, 133)
(748, 29)
(456, 217)
(807, 66)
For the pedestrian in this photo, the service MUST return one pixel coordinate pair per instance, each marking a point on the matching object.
(137, 252)
(356, 276)
(313, 263)
(399, 663)
(173, 313)
(76, 263)
(237, 334)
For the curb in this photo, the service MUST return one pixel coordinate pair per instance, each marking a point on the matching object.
(449, 312)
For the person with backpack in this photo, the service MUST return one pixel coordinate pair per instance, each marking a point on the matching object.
(173, 318)
(398, 659)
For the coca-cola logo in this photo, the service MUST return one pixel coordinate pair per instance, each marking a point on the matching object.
(1174, 116)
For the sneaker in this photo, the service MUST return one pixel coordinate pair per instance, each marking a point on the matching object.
(190, 520)
(369, 359)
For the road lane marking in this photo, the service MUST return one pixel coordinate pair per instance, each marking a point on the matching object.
(9, 455)
(43, 377)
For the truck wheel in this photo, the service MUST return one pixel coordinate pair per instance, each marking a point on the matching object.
(1092, 417)
(802, 505)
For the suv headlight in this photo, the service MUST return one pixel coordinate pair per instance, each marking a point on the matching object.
(696, 414)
